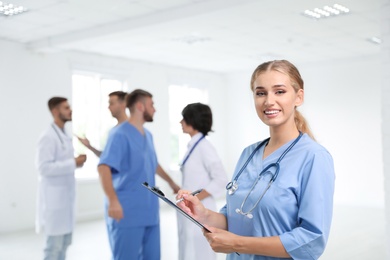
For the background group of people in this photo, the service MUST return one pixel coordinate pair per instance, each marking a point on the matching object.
(129, 159)
(278, 203)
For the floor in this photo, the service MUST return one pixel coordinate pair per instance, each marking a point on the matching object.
(357, 233)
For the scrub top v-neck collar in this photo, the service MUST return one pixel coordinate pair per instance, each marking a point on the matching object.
(138, 131)
(275, 154)
(141, 139)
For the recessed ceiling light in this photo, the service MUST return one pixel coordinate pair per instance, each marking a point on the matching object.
(326, 11)
(7, 9)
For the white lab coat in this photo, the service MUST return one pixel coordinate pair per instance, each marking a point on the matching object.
(203, 169)
(56, 188)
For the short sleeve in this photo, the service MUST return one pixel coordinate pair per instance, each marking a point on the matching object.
(223, 211)
(112, 153)
(309, 238)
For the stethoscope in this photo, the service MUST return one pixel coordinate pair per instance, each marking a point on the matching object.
(232, 186)
(192, 149)
(59, 136)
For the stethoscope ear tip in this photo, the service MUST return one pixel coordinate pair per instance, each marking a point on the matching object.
(248, 215)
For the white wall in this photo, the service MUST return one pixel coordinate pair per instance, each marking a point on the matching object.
(342, 106)
(385, 76)
(28, 80)
(344, 109)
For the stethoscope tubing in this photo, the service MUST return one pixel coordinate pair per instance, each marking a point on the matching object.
(59, 136)
(192, 149)
(232, 186)
(231, 183)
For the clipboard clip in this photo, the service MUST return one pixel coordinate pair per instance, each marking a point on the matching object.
(155, 189)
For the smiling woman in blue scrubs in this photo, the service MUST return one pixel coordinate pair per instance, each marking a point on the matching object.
(280, 200)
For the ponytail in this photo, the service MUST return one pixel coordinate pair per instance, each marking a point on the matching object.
(302, 124)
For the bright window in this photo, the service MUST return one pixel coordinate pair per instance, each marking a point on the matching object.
(91, 117)
(179, 97)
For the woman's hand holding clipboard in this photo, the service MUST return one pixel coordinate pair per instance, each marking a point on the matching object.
(156, 191)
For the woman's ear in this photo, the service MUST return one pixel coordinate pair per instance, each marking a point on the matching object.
(300, 98)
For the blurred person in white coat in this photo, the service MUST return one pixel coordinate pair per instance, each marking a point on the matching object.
(201, 169)
(56, 164)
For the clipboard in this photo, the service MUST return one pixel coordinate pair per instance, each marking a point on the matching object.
(161, 195)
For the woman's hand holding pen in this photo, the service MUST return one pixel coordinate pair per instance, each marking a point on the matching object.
(192, 205)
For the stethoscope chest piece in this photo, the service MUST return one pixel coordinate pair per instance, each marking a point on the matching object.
(232, 187)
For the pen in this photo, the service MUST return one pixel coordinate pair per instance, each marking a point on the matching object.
(192, 193)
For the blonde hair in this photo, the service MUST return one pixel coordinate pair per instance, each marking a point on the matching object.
(286, 67)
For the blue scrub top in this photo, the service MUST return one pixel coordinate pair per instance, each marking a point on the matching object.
(297, 207)
(132, 159)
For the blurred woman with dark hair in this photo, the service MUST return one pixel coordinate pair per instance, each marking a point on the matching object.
(201, 168)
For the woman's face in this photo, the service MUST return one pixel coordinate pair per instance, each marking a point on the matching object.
(187, 129)
(275, 98)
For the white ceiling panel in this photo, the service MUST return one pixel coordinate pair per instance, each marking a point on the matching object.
(38, 18)
(166, 4)
(122, 9)
(215, 35)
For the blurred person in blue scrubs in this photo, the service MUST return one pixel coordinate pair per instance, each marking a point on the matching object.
(56, 188)
(279, 203)
(201, 168)
(117, 107)
(128, 160)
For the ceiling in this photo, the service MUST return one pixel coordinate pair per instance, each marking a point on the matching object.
(210, 35)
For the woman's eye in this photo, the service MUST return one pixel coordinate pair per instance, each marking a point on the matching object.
(260, 93)
(279, 92)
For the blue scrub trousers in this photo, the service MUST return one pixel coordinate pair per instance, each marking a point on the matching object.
(138, 243)
(56, 246)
